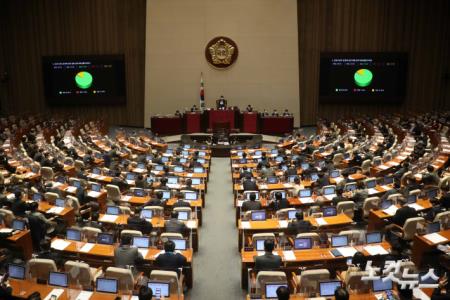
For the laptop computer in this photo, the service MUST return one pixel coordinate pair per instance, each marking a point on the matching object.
(107, 285)
(335, 173)
(339, 241)
(172, 180)
(381, 285)
(96, 187)
(260, 245)
(350, 187)
(16, 271)
(166, 195)
(190, 196)
(198, 170)
(314, 176)
(164, 159)
(327, 288)
(141, 166)
(304, 166)
(386, 204)
(201, 160)
(141, 241)
(139, 192)
(18, 224)
(201, 153)
(159, 288)
(329, 211)
(433, 227)
(196, 181)
(305, 193)
(373, 237)
(58, 279)
(105, 238)
(272, 179)
(60, 202)
(113, 210)
(180, 244)
(146, 213)
(329, 190)
(302, 243)
(158, 167)
(178, 168)
(411, 199)
(37, 197)
(432, 194)
(292, 213)
(258, 215)
(248, 196)
(183, 215)
(291, 178)
(73, 234)
(388, 180)
(130, 176)
(370, 184)
(76, 183)
(271, 289)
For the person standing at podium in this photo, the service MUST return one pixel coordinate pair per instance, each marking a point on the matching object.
(249, 108)
(221, 103)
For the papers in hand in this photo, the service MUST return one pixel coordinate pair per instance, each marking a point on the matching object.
(54, 292)
(391, 210)
(84, 295)
(376, 250)
(283, 223)
(55, 210)
(347, 251)
(87, 247)
(321, 221)
(289, 255)
(108, 218)
(245, 225)
(60, 244)
(435, 238)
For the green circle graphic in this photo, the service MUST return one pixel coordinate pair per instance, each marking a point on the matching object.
(83, 80)
(363, 77)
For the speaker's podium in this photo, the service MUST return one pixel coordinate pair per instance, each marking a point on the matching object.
(250, 122)
(193, 122)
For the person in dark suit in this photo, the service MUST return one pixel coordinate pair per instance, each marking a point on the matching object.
(268, 261)
(175, 225)
(145, 293)
(125, 255)
(322, 181)
(251, 204)
(249, 184)
(279, 202)
(169, 259)
(135, 222)
(48, 254)
(401, 215)
(188, 186)
(18, 207)
(283, 293)
(94, 221)
(155, 201)
(180, 201)
(338, 198)
(341, 294)
(140, 182)
(38, 224)
(163, 184)
(245, 172)
(299, 225)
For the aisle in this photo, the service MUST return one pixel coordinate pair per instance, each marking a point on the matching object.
(217, 265)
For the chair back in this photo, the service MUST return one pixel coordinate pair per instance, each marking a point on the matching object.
(411, 226)
(354, 282)
(309, 280)
(40, 268)
(112, 193)
(262, 236)
(90, 233)
(47, 173)
(79, 274)
(264, 277)
(312, 235)
(130, 232)
(124, 276)
(346, 207)
(370, 203)
(283, 214)
(443, 218)
(365, 166)
(156, 210)
(50, 197)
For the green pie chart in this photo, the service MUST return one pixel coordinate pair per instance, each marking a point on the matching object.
(363, 77)
(83, 79)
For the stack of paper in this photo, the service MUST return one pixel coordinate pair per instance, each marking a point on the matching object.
(263, 186)
(6, 230)
(55, 210)
(347, 251)
(125, 198)
(435, 238)
(376, 250)
(84, 295)
(416, 206)
(93, 194)
(109, 218)
(191, 224)
(383, 167)
(372, 191)
(54, 292)
(289, 255)
(391, 210)
(321, 221)
(287, 185)
(71, 189)
(60, 244)
(87, 247)
(282, 223)
(307, 200)
(245, 225)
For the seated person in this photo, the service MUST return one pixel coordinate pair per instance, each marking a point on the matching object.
(188, 186)
(249, 184)
(158, 201)
(145, 293)
(140, 182)
(135, 222)
(299, 225)
(439, 205)
(275, 113)
(48, 254)
(359, 262)
(221, 103)
(286, 113)
(125, 255)
(249, 108)
(283, 293)
(194, 108)
(268, 261)
(94, 221)
(279, 202)
(341, 294)
(251, 204)
(401, 215)
(175, 225)
(339, 197)
(180, 201)
(169, 259)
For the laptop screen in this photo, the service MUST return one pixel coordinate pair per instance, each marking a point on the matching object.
(146, 213)
(202, 153)
(388, 180)
(96, 171)
(431, 194)
(141, 166)
(327, 288)
(350, 187)
(256, 194)
(164, 159)
(198, 170)
(305, 166)
(37, 197)
(73, 234)
(329, 190)
(305, 193)
(382, 284)
(259, 245)
(196, 181)
(335, 173)
(433, 227)
(16, 271)
(182, 160)
(411, 199)
(76, 183)
(271, 290)
(107, 285)
(166, 195)
(60, 202)
(180, 244)
(96, 187)
(279, 158)
(18, 224)
(274, 151)
(139, 192)
(172, 180)
(183, 215)
(371, 183)
(302, 243)
(190, 196)
(258, 153)
(58, 279)
(272, 180)
(159, 288)
(339, 241)
(131, 176)
(259, 215)
(105, 238)
(329, 211)
(113, 210)
(159, 168)
(201, 160)
(61, 179)
(178, 168)
(291, 178)
(373, 237)
(386, 204)
(141, 241)
(291, 214)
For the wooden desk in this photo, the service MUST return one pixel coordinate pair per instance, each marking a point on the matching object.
(22, 241)
(68, 213)
(421, 245)
(368, 296)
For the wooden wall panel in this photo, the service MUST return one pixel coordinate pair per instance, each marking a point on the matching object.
(35, 28)
(419, 27)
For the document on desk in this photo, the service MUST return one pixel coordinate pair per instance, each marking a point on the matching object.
(71, 189)
(84, 295)
(376, 250)
(391, 210)
(321, 221)
(287, 185)
(130, 182)
(372, 191)
(289, 256)
(283, 223)
(6, 230)
(109, 218)
(239, 203)
(306, 200)
(125, 198)
(260, 253)
(93, 194)
(263, 186)
(55, 210)
(416, 206)
(189, 175)
(143, 252)
(60, 244)
(435, 238)
(191, 224)
(383, 167)
(401, 157)
(245, 225)
(87, 247)
(347, 251)
(54, 292)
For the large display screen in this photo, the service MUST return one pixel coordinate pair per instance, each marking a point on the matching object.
(84, 80)
(363, 77)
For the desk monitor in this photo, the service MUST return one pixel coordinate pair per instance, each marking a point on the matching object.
(272, 179)
(58, 279)
(37, 197)
(433, 227)
(113, 210)
(178, 168)
(292, 213)
(258, 153)
(166, 195)
(105, 238)
(169, 151)
(172, 180)
(302, 243)
(198, 170)
(339, 241)
(330, 190)
(411, 199)
(96, 187)
(279, 158)
(386, 204)
(274, 151)
(96, 171)
(18, 224)
(271, 289)
(388, 180)
(141, 166)
(146, 213)
(291, 178)
(283, 194)
(256, 194)
(76, 183)
(149, 157)
(16, 271)
(180, 244)
(164, 159)
(61, 179)
(373, 237)
(346, 155)
(350, 187)
(329, 211)
(284, 167)
(60, 202)
(432, 194)
(382, 284)
(73, 234)
(321, 164)
(258, 215)
(201, 160)
(183, 215)
(141, 241)
(158, 167)
(305, 193)
(139, 192)
(201, 153)
(304, 166)
(130, 176)
(260, 245)
(335, 173)
(327, 288)
(187, 146)
(190, 196)
(370, 184)
(428, 280)
(196, 181)
(314, 176)
(239, 153)
(107, 285)
(159, 288)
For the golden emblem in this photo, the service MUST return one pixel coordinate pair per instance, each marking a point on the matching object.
(221, 52)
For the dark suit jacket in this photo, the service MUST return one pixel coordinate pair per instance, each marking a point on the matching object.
(283, 203)
(53, 256)
(154, 202)
(181, 204)
(268, 261)
(170, 260)
(137, 223)
(249, 185)
(402, 214)
(251, 205)
(174, 225)
(296, 227)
